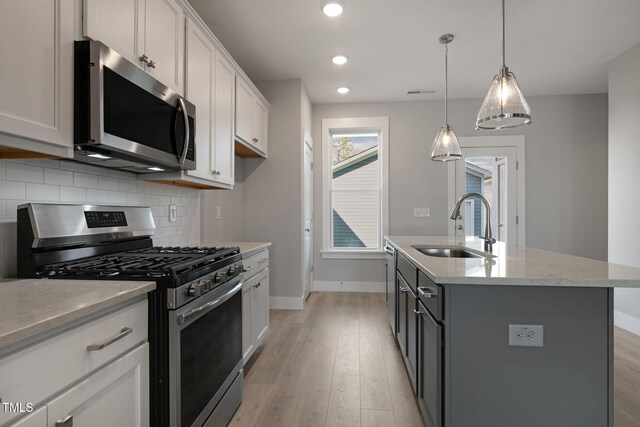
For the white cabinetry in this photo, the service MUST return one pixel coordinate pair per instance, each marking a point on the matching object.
(251, 122)
(210, 86)
(255, 303)
(36, 102)
(149, 33)
(102, 364)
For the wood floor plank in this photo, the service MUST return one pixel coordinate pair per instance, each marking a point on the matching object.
(280, 411)
(313, 412)
(344, 401)
(405, 406)
(255, 397)
(268, 366)
(626, 378)
(376, 418)
(319, 372)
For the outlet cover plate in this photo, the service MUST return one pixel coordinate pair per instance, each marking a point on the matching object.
(173, 213)
(526, 335)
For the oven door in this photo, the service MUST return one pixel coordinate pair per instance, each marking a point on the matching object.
(205, 352)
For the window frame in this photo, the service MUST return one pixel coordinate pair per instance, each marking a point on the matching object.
(379, 125)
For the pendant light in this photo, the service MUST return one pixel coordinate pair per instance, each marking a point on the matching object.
(446, 147)
(505, 106)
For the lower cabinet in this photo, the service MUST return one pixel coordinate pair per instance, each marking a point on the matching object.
(255, 303)
(116, 395)
(429, 354)
(407, 329)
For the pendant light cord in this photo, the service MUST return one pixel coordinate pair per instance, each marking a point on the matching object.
(446, 83)
(504, 63)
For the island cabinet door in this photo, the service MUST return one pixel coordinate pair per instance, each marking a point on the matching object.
(429, 367)
(412, 339)
(403, 288)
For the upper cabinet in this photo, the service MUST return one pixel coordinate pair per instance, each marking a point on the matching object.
(251, 122)
(36, 101)
(149, 33)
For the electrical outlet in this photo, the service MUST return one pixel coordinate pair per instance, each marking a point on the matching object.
(526, 335)
(173, 213)
(421, 212)
(218, 212)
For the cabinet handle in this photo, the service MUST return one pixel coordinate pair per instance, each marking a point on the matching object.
(257, 285)
(152, 64)
(404, 290)
(418, 312)
(65, 422)
(255, 140)
(248, 268)
(123, 333)
(145, 59)
(263, 260)
(427, 293)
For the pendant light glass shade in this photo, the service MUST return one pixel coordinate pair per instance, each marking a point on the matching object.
(446, 147)
(504, 106)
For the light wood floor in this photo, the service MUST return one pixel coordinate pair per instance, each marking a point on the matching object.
(336, 364)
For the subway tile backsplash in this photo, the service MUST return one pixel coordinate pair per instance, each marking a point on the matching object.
(51, 181)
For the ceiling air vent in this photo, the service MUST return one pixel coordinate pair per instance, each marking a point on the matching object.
(419, 91)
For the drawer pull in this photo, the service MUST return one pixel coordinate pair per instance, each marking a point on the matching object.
(93, 347)
(263, 260)
(248, 268)
(257, 285)
(404, 290)
(65, 422)
(418, 312)
(427, 293)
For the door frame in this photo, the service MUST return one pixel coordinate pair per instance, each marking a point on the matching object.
(307, 141)
(515, 141)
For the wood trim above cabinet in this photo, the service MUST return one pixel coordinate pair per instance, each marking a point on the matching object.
(188, 184)
(18, 153)
(243, 150)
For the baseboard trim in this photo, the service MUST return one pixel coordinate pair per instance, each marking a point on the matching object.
(323, 286)
(286, 303)
(624, 321)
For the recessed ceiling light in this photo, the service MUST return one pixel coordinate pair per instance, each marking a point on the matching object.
(339, 59)
(156, 169)
(333, 8)
(98, 156)
(342, 90)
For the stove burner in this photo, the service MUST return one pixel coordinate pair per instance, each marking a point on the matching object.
(183, 250)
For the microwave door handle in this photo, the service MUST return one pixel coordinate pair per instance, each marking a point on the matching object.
(185, 116)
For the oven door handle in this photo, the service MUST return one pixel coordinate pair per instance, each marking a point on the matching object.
(182, 318)
(185, 116)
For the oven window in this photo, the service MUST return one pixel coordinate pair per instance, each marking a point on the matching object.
(210, 348)
(134, 114)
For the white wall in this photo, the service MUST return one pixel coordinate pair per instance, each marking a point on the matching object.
(272, 192)
(55, 181)
(624, 175)
(566, 164)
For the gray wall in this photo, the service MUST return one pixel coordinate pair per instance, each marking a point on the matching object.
(272, 189)
(566, 166)
(624, 174)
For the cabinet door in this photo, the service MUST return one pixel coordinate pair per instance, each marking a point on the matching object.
(261, 308)
(247, 323)
(430, 368)
(36, 87)
(403, 288)
(412, 339)
(223, 147)
(116, 395)
(259, 126)
(200, 57)
(117, 23)
(245, 105)
(164, 42)
(38, 418)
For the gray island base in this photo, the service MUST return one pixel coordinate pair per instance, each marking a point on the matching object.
(523, 337)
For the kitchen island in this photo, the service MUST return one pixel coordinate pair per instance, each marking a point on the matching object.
(520, 336)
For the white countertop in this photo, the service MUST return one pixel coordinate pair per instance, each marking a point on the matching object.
(246, 248)
(513, 265)
(29, 307)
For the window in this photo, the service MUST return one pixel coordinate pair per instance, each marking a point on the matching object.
(355, 186)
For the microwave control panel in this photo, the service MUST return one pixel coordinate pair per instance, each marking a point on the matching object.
(97, 219)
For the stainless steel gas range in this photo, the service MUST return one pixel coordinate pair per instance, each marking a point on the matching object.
(195, 313)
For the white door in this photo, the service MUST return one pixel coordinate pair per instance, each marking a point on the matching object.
(490, 171)
(164, 42)
(259, 126)
(116, 395)
(308, 217)
(199, 91)
(224, 110)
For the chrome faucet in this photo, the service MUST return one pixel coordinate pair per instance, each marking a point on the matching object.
(455, 214)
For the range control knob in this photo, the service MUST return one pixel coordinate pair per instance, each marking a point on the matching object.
(206, 285)
(232, 270)
(217, 278)
(195, 290)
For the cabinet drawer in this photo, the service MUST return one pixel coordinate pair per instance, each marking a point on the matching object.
(430, 294)
(408, 271)
(255, 263)
(37, 372)
(255, 279)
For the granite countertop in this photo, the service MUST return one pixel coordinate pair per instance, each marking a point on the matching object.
(29, 307)
(246, 248)
(514, 265)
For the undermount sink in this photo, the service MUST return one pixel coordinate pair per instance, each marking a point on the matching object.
(450, 251)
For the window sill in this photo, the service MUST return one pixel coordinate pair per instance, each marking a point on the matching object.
(352, 254)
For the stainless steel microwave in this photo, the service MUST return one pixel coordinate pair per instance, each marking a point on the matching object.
(124, 118)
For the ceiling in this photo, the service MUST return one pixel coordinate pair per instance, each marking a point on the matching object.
(553, 46)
